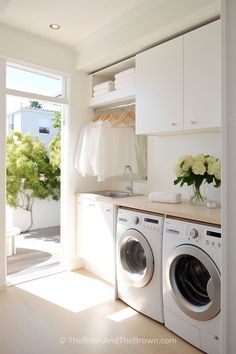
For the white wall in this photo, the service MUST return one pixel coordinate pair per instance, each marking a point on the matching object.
(163, 154)
(2, 177)
(79, 115)
(27, 48)
(229, 185)
(45, 214)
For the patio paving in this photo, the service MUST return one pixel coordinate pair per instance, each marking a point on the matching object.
(35, 249)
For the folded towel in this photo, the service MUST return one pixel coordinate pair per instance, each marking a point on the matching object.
(131, 76)
(125, 73)
(165, 197)
(102, 92)
(130, 85)
(103, 85)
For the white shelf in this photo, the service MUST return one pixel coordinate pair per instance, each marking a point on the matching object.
(117, 96)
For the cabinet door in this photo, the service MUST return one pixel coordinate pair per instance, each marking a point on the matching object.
(159, 88)
(202, 77)
(95, 237)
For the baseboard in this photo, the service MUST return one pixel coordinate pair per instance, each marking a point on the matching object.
(73, 264)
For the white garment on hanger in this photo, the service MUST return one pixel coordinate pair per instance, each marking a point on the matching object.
(103, 151)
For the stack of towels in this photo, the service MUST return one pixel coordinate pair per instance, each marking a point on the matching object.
(125, 79)
(103, 88)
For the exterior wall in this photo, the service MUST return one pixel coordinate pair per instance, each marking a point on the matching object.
(29, 121)
(45, 214)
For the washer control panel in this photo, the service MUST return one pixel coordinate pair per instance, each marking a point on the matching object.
(141, 221)
(194, 233)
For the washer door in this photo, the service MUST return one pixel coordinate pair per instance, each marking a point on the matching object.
(135, 258)
(194, 281)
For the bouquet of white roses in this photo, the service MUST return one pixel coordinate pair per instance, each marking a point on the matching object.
(194, 170)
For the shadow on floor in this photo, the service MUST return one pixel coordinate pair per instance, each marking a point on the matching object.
(47, 234)
(24, 259)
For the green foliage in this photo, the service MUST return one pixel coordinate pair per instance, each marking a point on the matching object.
(35, 105)
(55, 145)
(29, 172)
(57, 121)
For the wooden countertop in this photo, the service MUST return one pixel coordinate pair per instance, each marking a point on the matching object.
(184, 210)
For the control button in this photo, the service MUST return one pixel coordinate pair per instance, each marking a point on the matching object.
(194, 233)
(136, 220)
(207, 242)
(213, 243)
(219, 244)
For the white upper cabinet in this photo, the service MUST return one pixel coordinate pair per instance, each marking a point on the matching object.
(159, 88)
(202, 77)
(178, 84)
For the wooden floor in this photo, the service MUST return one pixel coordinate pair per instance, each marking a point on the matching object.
(35, 249)
(75, 312)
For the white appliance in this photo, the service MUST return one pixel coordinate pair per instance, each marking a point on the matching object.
(139, 261)
(192, 282)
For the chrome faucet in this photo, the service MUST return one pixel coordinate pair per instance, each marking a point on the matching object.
(130, 187)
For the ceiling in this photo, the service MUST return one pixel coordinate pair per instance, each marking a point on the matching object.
(78, 19)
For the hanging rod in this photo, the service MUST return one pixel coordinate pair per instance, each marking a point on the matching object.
(96, 110)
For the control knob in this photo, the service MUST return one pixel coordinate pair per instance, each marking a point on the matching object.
(194, 233)
(136, 220)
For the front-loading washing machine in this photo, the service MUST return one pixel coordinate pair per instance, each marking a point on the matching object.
(192, 282)
(139, 261)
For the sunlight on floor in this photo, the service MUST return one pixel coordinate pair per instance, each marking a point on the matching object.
(70, 290)
(123, 314)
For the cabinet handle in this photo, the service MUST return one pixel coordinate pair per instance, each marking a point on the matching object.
(108, 209)
(193, 122)
(173, 124)
(91, 205)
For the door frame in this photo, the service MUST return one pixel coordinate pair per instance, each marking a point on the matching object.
(64, 153)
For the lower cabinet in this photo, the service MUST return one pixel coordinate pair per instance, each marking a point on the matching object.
(95, 230)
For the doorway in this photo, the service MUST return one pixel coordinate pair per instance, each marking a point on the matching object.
(35, 107)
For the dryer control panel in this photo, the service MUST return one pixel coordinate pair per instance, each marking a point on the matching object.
(201, 234)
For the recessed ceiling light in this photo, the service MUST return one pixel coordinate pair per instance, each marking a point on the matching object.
(55, 26)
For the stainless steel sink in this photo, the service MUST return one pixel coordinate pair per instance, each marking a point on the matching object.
(115, 194)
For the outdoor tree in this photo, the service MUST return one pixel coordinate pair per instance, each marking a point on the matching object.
(35, 105)
(55, 145)
(30, 174)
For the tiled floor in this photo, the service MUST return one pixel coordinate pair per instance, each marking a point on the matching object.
(75, 312)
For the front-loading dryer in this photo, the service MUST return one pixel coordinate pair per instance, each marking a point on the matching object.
(139, 261)
(192, 282)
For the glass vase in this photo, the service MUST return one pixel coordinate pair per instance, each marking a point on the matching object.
(213, 196)
(198, 194)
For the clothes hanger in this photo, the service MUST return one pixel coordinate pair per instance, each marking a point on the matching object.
(99, 116)
(124, 116)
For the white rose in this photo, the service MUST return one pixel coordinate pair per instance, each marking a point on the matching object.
(199, 157)
(178, 171)
(199, 168)
(186, 162)
(214, 169)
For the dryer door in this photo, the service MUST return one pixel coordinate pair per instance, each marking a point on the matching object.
(194, 282)
(135, 258)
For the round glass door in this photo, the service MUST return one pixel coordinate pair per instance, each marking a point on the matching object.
(136, 258)
(194, 282)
